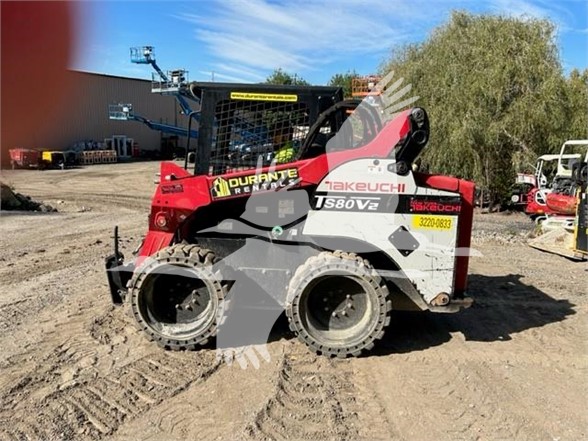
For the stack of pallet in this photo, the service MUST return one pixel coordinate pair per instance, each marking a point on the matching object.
(108, 156)
(99, 157)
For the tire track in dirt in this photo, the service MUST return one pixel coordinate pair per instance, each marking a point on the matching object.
(544, 335)
(60, 355)
(219, 408)
(96, 407)
(56, 387)
(29, 298)
(312, 400)
(61, 274)
(374, 422)
(526, 386)
(476, 389)
(74, 257)
(59, 242)
(74, 375)
(450, 402)
(11, 312)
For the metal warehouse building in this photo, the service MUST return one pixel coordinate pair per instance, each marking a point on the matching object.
(84, 117)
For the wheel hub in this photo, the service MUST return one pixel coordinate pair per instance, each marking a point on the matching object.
(177, 300)
(345, 310)
(192, 302)
(176, 297)
(339, 304)
(338, 307)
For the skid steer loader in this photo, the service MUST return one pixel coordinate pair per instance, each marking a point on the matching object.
(337, 232)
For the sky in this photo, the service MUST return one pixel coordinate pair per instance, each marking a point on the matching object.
(245, 40)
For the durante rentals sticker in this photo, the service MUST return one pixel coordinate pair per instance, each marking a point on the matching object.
(242, 185)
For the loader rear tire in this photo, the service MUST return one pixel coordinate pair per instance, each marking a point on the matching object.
(338, 305)
(177, 297)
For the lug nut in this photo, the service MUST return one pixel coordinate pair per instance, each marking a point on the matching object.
(334, 314)
(179, 307)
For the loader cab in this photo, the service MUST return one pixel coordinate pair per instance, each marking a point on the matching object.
(350, 123)
(572, 152)
(545, 170)
(246, 126)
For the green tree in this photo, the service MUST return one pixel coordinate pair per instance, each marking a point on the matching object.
(279, 76)
(577, 104)
(344, 80)
(495, 93)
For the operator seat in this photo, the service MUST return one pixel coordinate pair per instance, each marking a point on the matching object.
(319, 145)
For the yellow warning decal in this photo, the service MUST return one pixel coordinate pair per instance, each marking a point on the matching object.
(264, 96)
(432, 222)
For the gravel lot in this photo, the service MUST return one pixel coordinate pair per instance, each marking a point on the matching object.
(514, 366)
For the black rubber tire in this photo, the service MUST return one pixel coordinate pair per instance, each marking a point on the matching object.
(150, 314)
(333, 269)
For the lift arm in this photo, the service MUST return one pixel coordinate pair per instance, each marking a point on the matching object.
(124, 112)
(146, 55)
(165, 128)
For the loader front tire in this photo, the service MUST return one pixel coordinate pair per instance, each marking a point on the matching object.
(177, 297)
(337, 304)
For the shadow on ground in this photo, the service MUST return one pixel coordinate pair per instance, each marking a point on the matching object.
(503, 306)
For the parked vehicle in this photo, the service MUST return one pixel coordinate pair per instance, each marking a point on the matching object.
(58, 159)
(566, 233)
(336, 236)
(24, 158)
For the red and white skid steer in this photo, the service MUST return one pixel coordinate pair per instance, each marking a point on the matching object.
(308, 199)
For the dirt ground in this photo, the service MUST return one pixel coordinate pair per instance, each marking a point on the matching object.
(72, 366)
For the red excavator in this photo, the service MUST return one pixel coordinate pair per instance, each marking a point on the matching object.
(566, 208)
(550, 169)
(561, 199)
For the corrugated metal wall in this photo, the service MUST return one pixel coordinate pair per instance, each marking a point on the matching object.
(85, 117)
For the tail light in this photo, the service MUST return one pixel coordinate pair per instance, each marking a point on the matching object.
(167, 219)
(161, 220)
